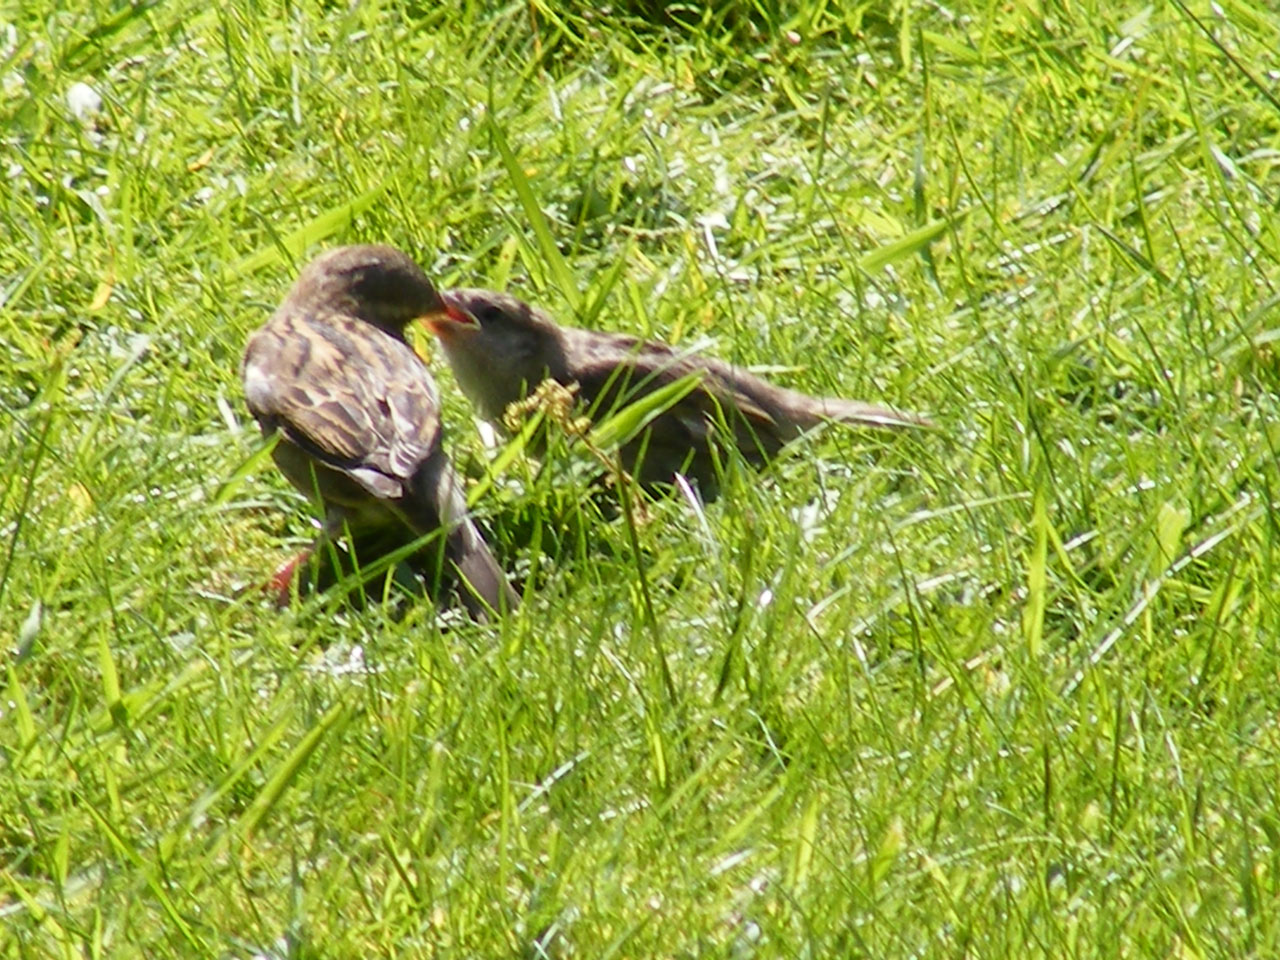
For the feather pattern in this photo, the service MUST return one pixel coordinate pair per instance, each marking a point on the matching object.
(358, 412)
(508, 347)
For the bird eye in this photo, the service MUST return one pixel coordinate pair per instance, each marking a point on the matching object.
(491, 314)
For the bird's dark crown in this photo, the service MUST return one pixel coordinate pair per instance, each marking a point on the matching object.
(493, 309)
(378, 284)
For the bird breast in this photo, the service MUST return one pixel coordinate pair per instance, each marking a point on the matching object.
(490, 386)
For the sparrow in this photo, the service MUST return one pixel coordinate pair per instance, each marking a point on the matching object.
(501, 348)
(357, 414)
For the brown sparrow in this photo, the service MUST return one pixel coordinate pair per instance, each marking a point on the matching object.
(358, 414)
(501, 348)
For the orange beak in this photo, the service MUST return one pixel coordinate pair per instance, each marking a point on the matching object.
(451, 319)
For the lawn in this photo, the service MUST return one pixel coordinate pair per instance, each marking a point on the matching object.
(1006, 688)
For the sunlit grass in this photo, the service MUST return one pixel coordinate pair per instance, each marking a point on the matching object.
(1004, 689)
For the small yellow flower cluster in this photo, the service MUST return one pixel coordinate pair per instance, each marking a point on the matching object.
(556, 401)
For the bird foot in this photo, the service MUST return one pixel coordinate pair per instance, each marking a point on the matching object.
(280, 586)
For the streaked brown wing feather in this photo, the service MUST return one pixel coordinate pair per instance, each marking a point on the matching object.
(359, 401)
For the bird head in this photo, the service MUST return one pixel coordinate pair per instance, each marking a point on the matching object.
(379, 284)
(499, 347)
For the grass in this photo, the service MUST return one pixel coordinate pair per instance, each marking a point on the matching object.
(1008, 689)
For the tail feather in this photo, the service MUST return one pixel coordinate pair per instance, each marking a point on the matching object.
(483, 587)
(807, 412)
(440, 503)
(866, 414)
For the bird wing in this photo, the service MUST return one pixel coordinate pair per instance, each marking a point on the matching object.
(353, 397)
(692, 420)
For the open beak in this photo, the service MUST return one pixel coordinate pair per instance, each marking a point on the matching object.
(452, 318)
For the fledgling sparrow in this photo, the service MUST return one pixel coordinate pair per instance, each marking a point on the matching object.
(358, 413)
(501, 348)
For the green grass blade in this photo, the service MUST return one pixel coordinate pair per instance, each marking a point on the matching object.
(914, 242)
(600, 291)
(248, 467)
(560, 272)
(321, 228)
(333, 719)
(623, 426)
(506, 456)
(1037, 579)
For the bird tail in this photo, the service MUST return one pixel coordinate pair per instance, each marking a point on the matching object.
(482, 587)
(809, 412)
